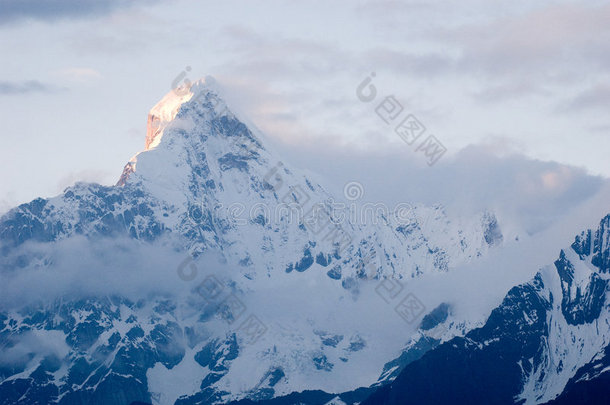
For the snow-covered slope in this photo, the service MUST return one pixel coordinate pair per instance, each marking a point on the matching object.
(299, 297)
(547, 341)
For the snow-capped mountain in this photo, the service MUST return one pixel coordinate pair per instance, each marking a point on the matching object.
(280, 291)
(547, 342)
(201, 161)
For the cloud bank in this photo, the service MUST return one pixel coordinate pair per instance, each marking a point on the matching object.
(527, 195)
(82, 267)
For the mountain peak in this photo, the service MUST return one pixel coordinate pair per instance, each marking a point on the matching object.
(199, 98)
(169, 106)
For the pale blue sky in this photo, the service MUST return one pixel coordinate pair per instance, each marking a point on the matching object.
(78, 78)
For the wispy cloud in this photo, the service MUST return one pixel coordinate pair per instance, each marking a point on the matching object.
(601, 128)
(264, 55)
(106, 261)
(593, 98)
(24, 87)
(509, 91)
(49, 10)
(557, 37)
